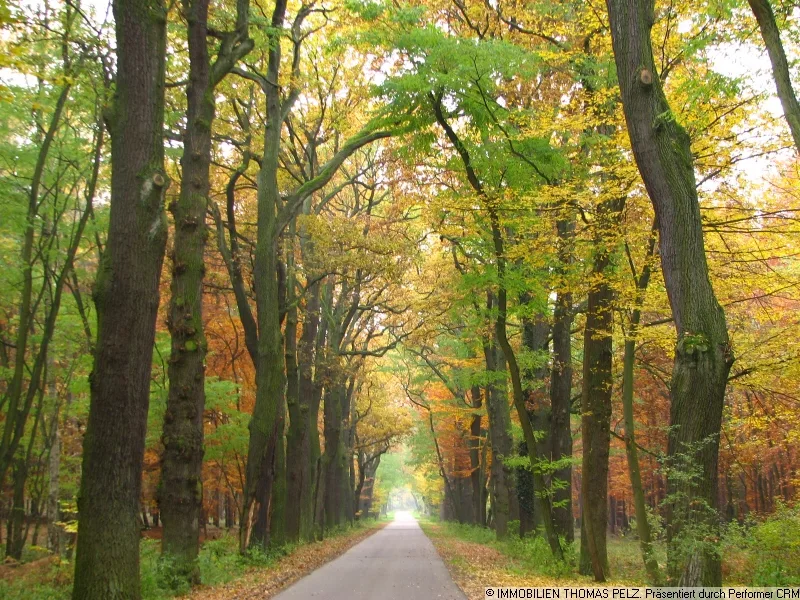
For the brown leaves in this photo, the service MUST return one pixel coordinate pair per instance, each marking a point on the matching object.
(262, 583)
(474, 566)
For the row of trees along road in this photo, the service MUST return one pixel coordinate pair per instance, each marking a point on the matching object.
(253, 247)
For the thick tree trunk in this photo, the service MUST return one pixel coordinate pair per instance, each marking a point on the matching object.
(780, 66)
(561, 392)
(317, 387)
(596, 422)
(269, 353)
(126, 296)
(703, 356)
(277, 526)
(298, 484)
(305, 436)
(348, 510)
(535, 334)
(15, 540)
(335, 457)
(499, 434)
(180, 490)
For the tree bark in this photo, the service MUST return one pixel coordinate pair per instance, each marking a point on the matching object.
(277, 517)
(180, 491)
(596, 420)
(335, 457)
(703, 356)
(561, 391)
(15, 540)
(304, 412)
(535, 333)
(499, 431)
(126, 296)
(297, 449)
(269, 355)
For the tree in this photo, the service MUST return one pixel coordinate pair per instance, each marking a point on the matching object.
(275, 212)
(703, 356)
(780, 66)
(180, 491)
(642, 279)
(126, 296)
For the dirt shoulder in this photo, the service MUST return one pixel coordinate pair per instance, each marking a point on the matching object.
(266, 583)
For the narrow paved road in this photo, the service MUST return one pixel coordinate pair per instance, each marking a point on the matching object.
(398, 562)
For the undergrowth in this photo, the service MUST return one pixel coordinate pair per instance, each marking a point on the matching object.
(759, 553)
(219, 562)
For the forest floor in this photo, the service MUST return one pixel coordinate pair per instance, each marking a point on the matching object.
(477, 561)
(229, 576)
(475, 566)
(263, 583)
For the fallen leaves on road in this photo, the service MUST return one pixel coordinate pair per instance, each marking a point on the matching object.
(475, 567)
(262, 583)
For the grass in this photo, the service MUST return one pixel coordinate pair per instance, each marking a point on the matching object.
(521, 557)
(220, 563)
(759, 553)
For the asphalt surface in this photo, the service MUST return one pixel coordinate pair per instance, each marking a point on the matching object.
(398, 562)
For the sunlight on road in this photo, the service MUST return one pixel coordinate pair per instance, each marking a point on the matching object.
(403, 516)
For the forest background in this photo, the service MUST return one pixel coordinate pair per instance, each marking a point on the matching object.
(543, 256)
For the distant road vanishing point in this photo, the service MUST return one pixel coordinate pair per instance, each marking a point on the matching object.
(398, 562)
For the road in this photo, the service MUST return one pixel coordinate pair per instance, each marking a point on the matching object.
(398, 562)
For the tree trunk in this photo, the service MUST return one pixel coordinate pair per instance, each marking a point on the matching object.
(54, 464)
(269, 353)
(598, 381)
(298, 484)
(365, 497)
(629, 363)
(334, 458)
(54, 530)
(15, 540)
(476, 465)
(499, 433)
(595, 426)
(230, 518)
(126, 295)
(316, 387)
(703, 356)
(780, 66)
(542, 501)
(535, 333)
(561, 392)
(180, 487)
(277, 527)
(308, 448)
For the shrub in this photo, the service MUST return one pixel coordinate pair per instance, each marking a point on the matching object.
(764, 553)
